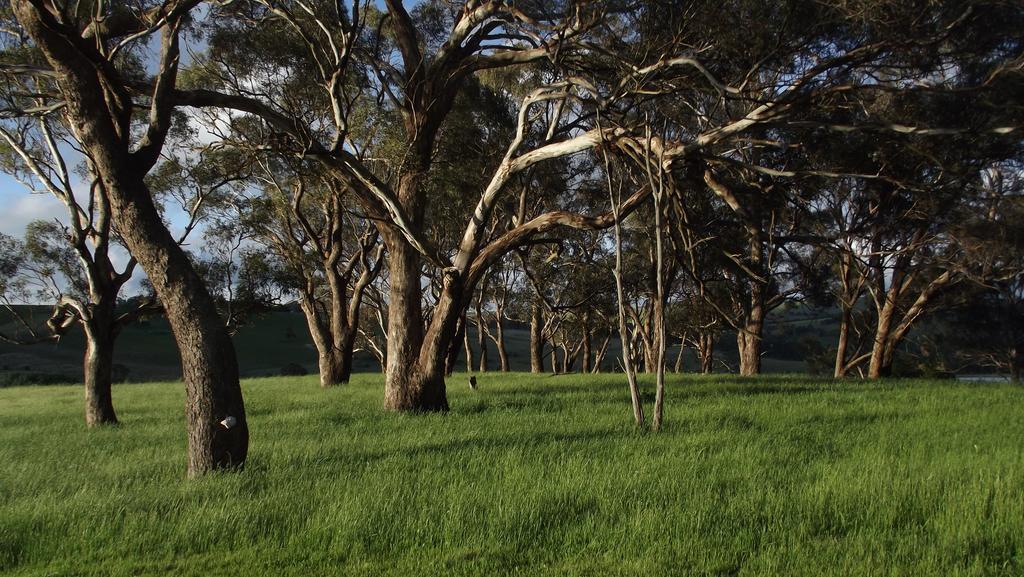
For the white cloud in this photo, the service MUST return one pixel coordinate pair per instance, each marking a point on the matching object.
(21, 208)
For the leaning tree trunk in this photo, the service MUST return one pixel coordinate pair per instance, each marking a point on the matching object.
(97, 105)
(678, 367)
(453, 349)
(97, 366)
(536, 339)
(880, 364)
(468, 347)
(845, 322)
(218, 435)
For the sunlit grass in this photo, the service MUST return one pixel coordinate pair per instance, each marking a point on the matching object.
(530, 475)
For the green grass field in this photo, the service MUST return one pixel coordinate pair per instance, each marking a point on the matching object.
(529, 476)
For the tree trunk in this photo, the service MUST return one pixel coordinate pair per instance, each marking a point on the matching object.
(481, 335)
(410, 385)
(601, 352)
(749, 340)
(536, 338)
(844, 338)
(98, 364)
(706, 352)
(453, 349)
(1016, 364)
(468, 347)
(586, 366)
(499, 326)
(678, 367)
(881, 354)
(218, 435)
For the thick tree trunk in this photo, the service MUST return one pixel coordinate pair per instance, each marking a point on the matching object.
(97, 365)
(1016, 364)
(331, 370)
(536, 339)
(880, 364)
(749, 340)
(750, 354)
(218, 436)
(415, 377)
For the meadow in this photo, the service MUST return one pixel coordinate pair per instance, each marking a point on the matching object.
(530, 475)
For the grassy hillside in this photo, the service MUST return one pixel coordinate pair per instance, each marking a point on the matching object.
(277, 339)
(528, 476)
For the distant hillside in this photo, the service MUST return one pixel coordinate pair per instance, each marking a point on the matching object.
(148, 352)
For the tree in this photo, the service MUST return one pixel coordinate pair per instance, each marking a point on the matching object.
(71, 266)
(419, 71)
(120, 117)
(333, 256)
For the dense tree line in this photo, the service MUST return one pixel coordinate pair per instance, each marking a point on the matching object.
(418, 176)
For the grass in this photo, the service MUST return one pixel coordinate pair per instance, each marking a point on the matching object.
(528, 476)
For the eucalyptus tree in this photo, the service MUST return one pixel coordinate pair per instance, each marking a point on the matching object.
(418, 63)
(589, 73)
(102, 78)
(332, 254)
(82, 281)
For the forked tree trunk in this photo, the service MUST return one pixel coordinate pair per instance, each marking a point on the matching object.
(880, 364)
(98, 365)
(415, 377)
(536, 338)
(706, 353)
(334, 345)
